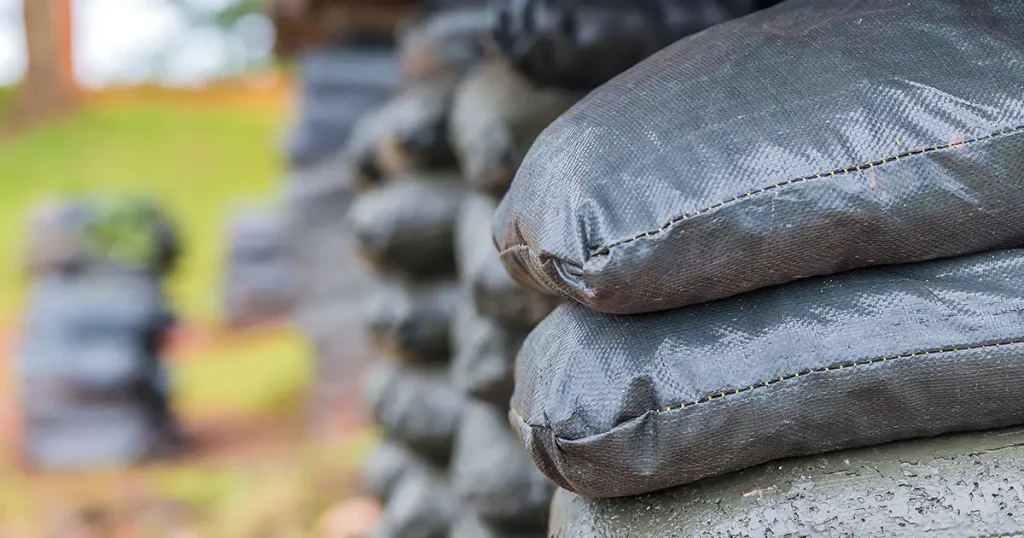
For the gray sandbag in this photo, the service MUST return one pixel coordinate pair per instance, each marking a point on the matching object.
(496, 115)
(258, 281)
(493, 476)
(957, 485)
(413, 320)
(469, 525)
(614, 405)
(496, 295)
(415, 406)
(483, 361)
(384, 470)
(422, 506)
(451, 39)
(806, 139)
(407, 226)
(407, 133)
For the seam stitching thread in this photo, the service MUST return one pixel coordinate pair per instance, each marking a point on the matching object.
(827, 369)
(606, 250)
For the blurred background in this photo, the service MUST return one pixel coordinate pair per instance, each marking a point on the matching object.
(178, 102)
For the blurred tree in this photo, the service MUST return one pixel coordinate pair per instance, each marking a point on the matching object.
(49, 85)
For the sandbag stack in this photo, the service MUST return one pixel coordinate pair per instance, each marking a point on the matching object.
(789, 235)
(339, 83)
(403, 221)
(258, 285)
(93, 388)
(495, 117)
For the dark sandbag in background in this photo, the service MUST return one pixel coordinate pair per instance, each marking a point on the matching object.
(386, 467)
(581, 44)
(422, 506)
(415, 406)
(259, 284)
(496, 115)
(806, 139)
(407, 226)
(621, 405)
(492, 475)
(451, 38)
(413, 320)
(407, 133)
(957, 485)
(495, 294)
(484, 355)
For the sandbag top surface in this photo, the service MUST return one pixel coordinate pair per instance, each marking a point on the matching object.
(806, 139)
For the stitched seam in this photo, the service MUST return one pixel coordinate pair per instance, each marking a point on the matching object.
(605, 250)
(781, 379)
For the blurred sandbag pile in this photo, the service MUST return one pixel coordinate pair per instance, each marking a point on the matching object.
(259, 286)
(792, 251)
(340, 81)
(93, 386)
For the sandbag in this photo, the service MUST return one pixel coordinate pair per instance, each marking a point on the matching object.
(416, 407)
(495, 294)
(484, 355)
(496, 115)
(492, 475)
(469, 525)
(806, 139)
(407, 133)
(387, 466)
(957, 485)
(621, 405)
(581, 44)
(258, 281)
(450, 39)
(422, 506)
(408, 226)
(414, 320)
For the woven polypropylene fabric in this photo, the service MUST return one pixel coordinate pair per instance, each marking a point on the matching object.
(613, 405)
(806, 139)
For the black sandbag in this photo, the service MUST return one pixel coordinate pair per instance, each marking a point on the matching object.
(483, 362)
(384, 470)
(422, 506)
(493, 476)
(448, 39)
(580, 44)
(413, 320)
(408, 225)
(495, 294)
(416, 407)
(258, 280)
(496, 115)
(407, 133)
(469, 525)
(621, 405)
(806, 139)
(957, 485)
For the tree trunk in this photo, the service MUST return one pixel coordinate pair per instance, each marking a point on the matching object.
(49, 85)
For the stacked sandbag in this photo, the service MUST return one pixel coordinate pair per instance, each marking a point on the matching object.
(339, 83)
(258, 283)
(403, 223)
(788, 235)
(495, 117)
(93, 388)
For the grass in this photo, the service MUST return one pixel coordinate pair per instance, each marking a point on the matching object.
(196, 160)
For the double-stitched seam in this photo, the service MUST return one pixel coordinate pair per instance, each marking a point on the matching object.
(605, 250)
(719, 395)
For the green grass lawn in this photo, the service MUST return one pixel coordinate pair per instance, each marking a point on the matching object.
(197, 160)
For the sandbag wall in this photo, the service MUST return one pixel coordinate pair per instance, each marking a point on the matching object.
(339, 84)
(787, 298)
(93, 388)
